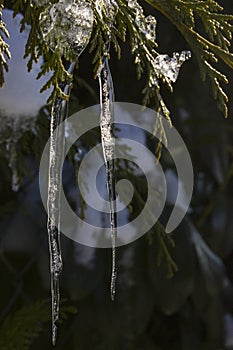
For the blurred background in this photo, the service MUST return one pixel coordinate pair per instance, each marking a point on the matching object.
(191, 310)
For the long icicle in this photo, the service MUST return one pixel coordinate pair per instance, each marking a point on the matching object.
(58, 115)
(108, 146)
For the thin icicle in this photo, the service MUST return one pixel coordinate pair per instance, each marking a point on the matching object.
(58, 115)
(68, 25)
(108, 145)
(108, 8)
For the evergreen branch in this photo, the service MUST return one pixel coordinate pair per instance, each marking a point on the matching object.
(4, 48)
(100, 37)
(219, 32)
(210, 206)
(144, 51)
(19, 330)
(142, 48)
(165, 241)
(53, 62)
(182, 13)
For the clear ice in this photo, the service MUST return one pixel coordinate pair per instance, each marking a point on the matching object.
(169, 67)
(53, 203)
(150, 27)
(110, 8)
(108, 146)
(67, 24)
(146, 24)
(57, 137)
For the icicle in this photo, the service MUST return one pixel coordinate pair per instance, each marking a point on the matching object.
(109, 8)
(170, 66)
(108, 145)
(58, 115)
(67, 25)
